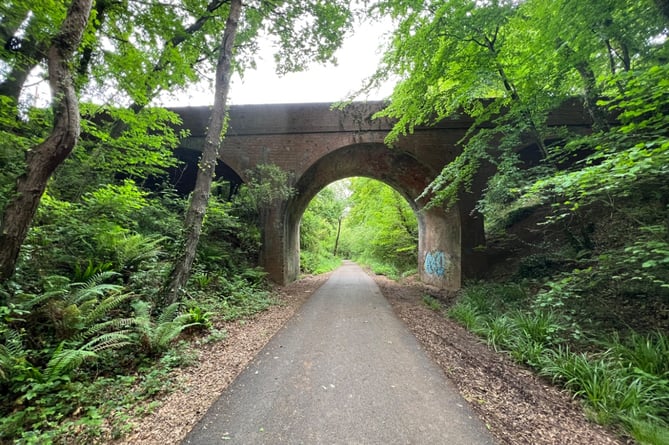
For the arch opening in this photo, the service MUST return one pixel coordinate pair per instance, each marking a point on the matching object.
(438, 256)
(183, 176)
(362, 219)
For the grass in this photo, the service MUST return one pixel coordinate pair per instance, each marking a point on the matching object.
(432, 303)
(318, 262)
(624, 383)
(467, 315)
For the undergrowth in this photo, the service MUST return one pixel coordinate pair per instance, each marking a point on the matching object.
(85, 341)
(623, 381)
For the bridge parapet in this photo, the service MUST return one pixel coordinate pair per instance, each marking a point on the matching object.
(319, 145)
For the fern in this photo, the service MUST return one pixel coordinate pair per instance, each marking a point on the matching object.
(110, 340)
(163, 334)
(72, 293)
(75, 307)
(135, 249)
(64, 360)
(114, 325)
(16, 371)
(104, 307)
(82, 315)
(7, 359)
(61, 289)
(156, 336)
(94, 287)
(169, 313)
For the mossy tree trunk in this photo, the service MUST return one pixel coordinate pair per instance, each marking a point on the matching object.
(44, 158)
(207, 165)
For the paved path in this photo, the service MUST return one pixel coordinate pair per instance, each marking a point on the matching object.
(344, 370)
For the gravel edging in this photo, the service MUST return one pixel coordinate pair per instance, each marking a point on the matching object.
(217, 366)
(516, 405)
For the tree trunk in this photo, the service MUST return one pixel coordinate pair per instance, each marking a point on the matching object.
(43, 159)
(336, 246)
(207, 165)
(591, 92)
(511, 89)
(591, 96)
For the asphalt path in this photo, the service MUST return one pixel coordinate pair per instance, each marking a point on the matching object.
(343, 370)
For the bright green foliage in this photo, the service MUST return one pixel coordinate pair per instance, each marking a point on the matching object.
(154, 335)
(131, 53)
(143, 149)
(319, 229)
(366, 220)
(617, 392)
(150, 48)
(16, 136)
(267, 184)
(622, 381)
(98, 232)
(320, 219)
(114, 240)
(78, 310)
(230, 241)
(454, 57)
(509, 63)
(104, 216)
(77, 324)
(630, 158)
(381, 226)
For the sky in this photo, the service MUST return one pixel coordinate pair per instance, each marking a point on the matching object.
(357, 60)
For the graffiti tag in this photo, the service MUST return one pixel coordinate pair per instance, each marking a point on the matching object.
(435, 263)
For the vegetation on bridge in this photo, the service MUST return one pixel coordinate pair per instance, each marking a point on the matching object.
(578, 224)
(83, 273)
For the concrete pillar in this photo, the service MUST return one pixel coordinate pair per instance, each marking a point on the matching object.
(439, 244)
(292, 257)
(273, 236)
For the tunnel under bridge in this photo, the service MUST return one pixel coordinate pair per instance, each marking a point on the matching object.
(318, 145)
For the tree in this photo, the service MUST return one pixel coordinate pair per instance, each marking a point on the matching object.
(323, 16)
(507, 64)
(208, 160)
(320, 225)
(132, 51)
(131, 29)
(43, 159)
(381, 225)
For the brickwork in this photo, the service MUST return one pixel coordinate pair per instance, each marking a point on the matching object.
(319, 145)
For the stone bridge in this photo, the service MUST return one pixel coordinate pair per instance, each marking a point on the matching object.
(319, 145)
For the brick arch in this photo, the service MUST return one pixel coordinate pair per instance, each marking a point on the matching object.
(310, 141)
(438, 231)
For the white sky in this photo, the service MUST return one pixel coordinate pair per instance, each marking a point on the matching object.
(357, 60)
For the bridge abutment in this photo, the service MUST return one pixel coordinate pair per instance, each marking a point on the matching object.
(319, 145)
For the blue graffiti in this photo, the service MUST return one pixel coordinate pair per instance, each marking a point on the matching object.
(435, 263)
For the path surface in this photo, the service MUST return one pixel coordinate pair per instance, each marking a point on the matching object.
(344, 370)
